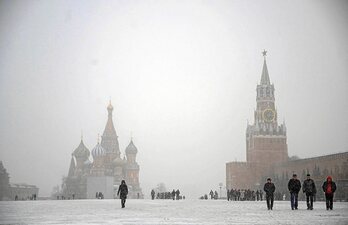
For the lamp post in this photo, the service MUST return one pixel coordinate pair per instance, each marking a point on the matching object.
(220, 186)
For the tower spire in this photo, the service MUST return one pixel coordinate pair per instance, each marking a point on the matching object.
(72, 167)
(265, 77)
(109, 138)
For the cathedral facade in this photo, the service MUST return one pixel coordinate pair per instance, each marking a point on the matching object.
(107, 169)
(267, 151)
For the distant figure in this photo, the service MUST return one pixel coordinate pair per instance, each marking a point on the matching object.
(97, 195)
(216, 195)
(123, 192)
(153, 194)
(73, 196)
(294, 186)
(211, 193)
(228, 195)
(206, 197)
(269, 188)
(257, 195)
(177, 194)
(261, 195)
(309, 188)
(173, 194)
(329, 188)
(138, 195)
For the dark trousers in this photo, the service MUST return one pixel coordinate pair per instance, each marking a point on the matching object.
(329, 201)
(123, 202)
(294, 200)
(309, 199)
(270, 200)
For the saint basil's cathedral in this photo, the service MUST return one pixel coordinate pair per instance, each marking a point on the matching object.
(104, 174)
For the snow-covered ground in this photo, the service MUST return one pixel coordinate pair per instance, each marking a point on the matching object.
(167, 212)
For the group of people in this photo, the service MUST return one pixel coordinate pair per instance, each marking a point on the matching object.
(308, 187)
(294, 186)
(244, 195)
(99, 195)
(175, 194)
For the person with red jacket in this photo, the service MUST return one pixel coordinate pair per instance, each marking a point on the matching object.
(329, 187)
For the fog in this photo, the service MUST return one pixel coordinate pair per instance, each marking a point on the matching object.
(181, 76)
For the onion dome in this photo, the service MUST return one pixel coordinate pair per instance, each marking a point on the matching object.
(131, 149)
(81, 151)
(98, 150)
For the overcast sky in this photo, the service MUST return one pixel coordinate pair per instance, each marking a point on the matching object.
(182, 78)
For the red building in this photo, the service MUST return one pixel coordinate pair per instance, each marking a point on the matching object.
(267, 151)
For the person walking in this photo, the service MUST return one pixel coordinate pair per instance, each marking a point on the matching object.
(294, 187)
(173, 194)
(153, 194)
(269, 188)
(329, 188)
(177, 194)
(123, 192)
(309, 188)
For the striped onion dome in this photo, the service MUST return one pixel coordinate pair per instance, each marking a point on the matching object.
(81, 151)
(131, 149)
(98, 150)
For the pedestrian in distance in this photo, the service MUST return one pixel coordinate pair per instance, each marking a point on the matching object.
(269, 188)
(309, 188)
(152, 194)
(123, 192)
(329, 188)
(211, 193)
(173, 194)
(294, 187)
(177, 194)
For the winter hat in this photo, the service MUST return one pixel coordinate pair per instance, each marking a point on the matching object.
(329, 178)
(308, 175)
(294, 175)
(269, 179)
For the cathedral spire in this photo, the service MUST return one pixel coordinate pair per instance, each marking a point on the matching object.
(72, 167)
(109, 138)
(265, 77)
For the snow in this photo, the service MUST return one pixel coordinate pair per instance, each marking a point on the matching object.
(167, 212)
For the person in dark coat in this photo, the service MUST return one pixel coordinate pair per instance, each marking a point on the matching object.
(329, 188)
(123, 192)
(177, 194)
(294, 187)
(173, 194)
(269, 188)
(309, 188)
(153, 194)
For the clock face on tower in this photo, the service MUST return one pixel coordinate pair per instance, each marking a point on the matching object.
(268, 115)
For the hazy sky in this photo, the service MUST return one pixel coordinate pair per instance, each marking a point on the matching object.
(182, 77)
